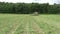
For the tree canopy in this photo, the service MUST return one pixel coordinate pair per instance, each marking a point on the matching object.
(28, 8)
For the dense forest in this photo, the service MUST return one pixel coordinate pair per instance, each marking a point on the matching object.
(28, 8)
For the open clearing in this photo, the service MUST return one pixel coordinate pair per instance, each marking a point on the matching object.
(28, 24)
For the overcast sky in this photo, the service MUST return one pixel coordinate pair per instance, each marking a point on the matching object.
(30, 1)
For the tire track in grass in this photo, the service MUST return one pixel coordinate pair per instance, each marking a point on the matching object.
(27, 20)
(30, 26)
(27, 25)
(31, 31)
(52, 29)
(14, 27)
(42, 23)
(36, 27)
(21, 29)
(24, 27)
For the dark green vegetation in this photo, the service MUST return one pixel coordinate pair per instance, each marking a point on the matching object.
(28, 24)
(28, 8)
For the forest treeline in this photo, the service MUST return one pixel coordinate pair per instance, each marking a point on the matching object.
(28, 8)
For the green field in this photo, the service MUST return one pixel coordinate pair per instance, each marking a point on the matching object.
(29, 24)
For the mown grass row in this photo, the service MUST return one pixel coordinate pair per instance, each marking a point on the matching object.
(47, 24)
(7, 21)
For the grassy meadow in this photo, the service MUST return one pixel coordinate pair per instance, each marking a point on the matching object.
(29, 24)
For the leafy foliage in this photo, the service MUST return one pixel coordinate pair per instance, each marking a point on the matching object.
(28, 8)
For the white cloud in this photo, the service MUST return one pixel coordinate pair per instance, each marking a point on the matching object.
(14, 1)
(30, 1)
